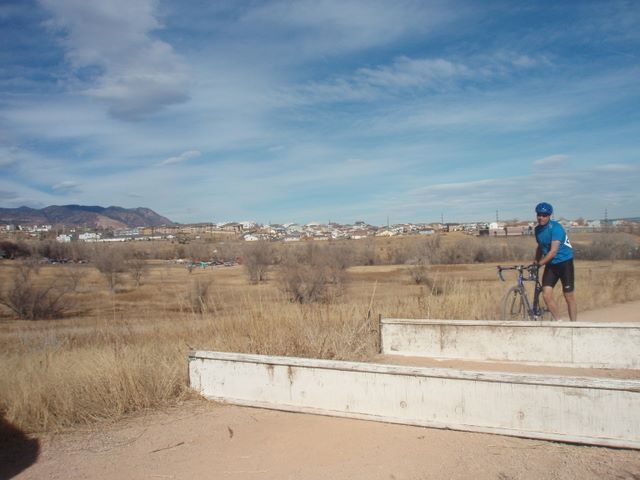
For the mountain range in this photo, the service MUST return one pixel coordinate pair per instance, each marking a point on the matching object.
(80, 215)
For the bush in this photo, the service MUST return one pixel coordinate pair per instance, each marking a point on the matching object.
(197, 297)
(425, 250)
(612, 246)
(480, 250)
(30, 300)
(11, 250)
(316, 274)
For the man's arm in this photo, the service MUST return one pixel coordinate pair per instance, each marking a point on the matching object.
(555, 246)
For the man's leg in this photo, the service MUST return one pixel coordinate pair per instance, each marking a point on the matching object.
(547, 293)
(571, 305)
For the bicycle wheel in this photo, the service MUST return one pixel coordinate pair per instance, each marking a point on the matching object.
(513, 307)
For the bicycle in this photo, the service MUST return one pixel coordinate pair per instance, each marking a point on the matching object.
(516, 304)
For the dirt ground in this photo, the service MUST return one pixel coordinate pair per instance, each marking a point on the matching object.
(202, 439)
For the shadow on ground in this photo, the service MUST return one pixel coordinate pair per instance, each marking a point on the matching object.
(17, 451)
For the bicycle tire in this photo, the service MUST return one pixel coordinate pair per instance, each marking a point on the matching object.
(513, 306)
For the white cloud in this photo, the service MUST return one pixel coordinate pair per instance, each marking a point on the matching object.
(621, 168)
(110, 46)
(66, 187)
(183, 157)
(552, 161)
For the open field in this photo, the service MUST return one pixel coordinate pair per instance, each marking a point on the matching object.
(124, 350)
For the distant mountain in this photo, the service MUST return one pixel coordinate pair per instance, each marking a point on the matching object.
(80, 215)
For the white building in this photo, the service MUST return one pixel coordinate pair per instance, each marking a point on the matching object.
(89, 237)
(248, 225)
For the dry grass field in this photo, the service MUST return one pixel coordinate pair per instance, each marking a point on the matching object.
(122, 350)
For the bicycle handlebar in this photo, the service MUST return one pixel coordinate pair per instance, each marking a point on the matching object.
(532, 269)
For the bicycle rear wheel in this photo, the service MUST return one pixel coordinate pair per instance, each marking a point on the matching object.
(513, 306)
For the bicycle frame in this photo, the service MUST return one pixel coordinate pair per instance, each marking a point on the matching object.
(534, 311)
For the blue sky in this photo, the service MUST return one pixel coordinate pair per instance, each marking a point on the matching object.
(318, 110)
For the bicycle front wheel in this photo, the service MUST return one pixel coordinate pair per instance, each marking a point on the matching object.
(513, 306)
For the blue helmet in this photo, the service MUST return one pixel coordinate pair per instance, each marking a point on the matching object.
(544, 208)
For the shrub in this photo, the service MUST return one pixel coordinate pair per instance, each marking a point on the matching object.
(316, 274)
(425, 250)
(304, 283)
(612, 246)
(369, 256)
(11, 250)
(31, 300)
(197, 297)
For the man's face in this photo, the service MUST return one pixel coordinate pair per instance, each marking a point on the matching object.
(543, 219)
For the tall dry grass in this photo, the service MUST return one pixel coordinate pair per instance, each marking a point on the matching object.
(125, 351)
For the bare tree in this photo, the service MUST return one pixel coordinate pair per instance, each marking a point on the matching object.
(73, 276)
(257, 258)
(138, 266)
(110, 263)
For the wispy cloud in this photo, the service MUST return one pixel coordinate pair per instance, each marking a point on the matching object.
(66, 187)
(325, 27)
(183, 157)
(8, 195)
(428, 75)
(552, 161)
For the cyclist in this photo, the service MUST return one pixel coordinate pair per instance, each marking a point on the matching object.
(555, 252)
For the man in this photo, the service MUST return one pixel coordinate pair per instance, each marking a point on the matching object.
(555, 252)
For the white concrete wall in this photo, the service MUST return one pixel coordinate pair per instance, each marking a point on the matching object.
(575, 344)
(574, 409)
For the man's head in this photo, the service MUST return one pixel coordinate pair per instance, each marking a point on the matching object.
(543, 212)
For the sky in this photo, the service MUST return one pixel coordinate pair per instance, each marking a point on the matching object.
(322, 110)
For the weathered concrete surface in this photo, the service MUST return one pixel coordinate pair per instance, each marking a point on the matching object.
(573, 344)
(573, 409)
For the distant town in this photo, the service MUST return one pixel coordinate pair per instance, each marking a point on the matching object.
(292, 232)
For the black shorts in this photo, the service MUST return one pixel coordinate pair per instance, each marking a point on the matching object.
(562, 271)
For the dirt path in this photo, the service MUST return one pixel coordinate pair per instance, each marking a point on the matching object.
(205, 440)
(623, 312)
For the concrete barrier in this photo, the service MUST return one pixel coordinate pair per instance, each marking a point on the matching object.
(573, 409)
(573, 344)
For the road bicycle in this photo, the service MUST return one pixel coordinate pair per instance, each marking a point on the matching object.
(516, 304)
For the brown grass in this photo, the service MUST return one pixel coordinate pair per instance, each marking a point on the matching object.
(126, 350)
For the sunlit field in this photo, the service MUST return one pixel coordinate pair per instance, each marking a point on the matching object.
(122, 348)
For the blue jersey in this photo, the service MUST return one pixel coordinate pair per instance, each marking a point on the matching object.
(550, 232)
